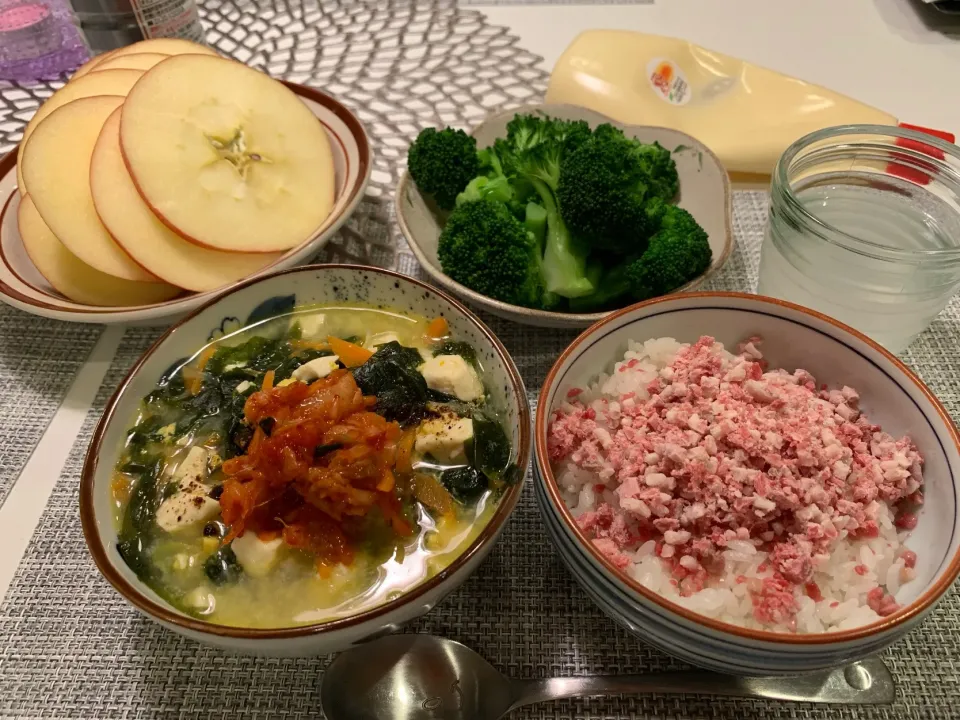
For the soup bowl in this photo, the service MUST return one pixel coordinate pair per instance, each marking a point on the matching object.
(793, 337)
(257, 301)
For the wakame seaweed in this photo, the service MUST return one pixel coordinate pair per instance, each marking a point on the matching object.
(139, 521)
(457, 347)
(392, 378)
(489, 451)
(466, 483)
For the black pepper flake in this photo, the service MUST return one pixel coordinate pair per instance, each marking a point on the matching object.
(267, 425)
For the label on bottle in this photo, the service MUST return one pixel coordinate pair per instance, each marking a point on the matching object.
(668, 81)
(168, 19)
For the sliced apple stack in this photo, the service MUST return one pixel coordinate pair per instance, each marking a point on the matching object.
(162, 167)
(72, 277)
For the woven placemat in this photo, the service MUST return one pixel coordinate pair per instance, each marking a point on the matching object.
(70, 647)
(38, 359)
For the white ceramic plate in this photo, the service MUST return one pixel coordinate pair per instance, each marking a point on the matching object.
(22, 286)
(704, 193)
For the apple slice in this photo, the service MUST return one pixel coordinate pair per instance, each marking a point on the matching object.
(226, 156)
(56, 166)
(136, 61)
(165, 46)
(89, 65)
(73, 278)
(114, 82)
(147, 240)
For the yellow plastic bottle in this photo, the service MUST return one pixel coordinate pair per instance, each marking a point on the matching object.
(747, 115)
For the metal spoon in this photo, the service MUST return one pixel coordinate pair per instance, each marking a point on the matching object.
(414, 677)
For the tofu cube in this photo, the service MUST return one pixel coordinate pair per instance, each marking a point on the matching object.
(444, 438)
(183, 510)
(257, 557)
(192, 471)
(316, 369)
(453, 375)
(190, 504)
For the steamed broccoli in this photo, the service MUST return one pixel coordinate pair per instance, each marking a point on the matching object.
(556, 215)
(482, 187)
(532, 152)
(484, 247)
(606, 185)
(677, 253)
(442, 163)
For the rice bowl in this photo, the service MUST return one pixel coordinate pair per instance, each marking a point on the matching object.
(794, 337)
(731, 519)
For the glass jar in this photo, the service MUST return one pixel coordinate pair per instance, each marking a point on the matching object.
(864, 226)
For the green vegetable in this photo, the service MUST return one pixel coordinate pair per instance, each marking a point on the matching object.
(139, 526)
(442, 163)
(677, 253)
(489, 452)
(559, 217)
(400, 390)
(223, 567)
(484, 247)
(457, 347)
(483, 188)
(533, 151)
(605, 186)
(404, 356)
(535, 220)
(466, 483)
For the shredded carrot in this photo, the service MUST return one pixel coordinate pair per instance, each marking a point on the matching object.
(350, 354)
(438, 328)
(268, 381)
(205, 356)
(192, 380)
(404, 461)
(431, 492)
(387, 482)
(391, 511)
(120, 488)
(309, 345)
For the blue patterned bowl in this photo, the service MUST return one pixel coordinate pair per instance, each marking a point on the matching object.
(793, 337)
(251, 302)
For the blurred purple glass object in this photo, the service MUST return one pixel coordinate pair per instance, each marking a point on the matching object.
(38, 39)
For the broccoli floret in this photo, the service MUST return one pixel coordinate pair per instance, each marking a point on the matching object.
(535, 220)
(531, 153)
(442, 162)
(677, 253)
(606, 185)
(481, 187)
(613, 289)
(484, 247)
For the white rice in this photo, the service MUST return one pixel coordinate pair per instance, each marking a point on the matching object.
(844, 591)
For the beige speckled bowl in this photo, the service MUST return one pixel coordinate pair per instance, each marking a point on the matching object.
(704, 192)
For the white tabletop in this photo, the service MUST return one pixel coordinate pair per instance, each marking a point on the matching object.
(881, 52)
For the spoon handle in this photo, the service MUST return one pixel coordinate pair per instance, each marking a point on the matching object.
(868, 682)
